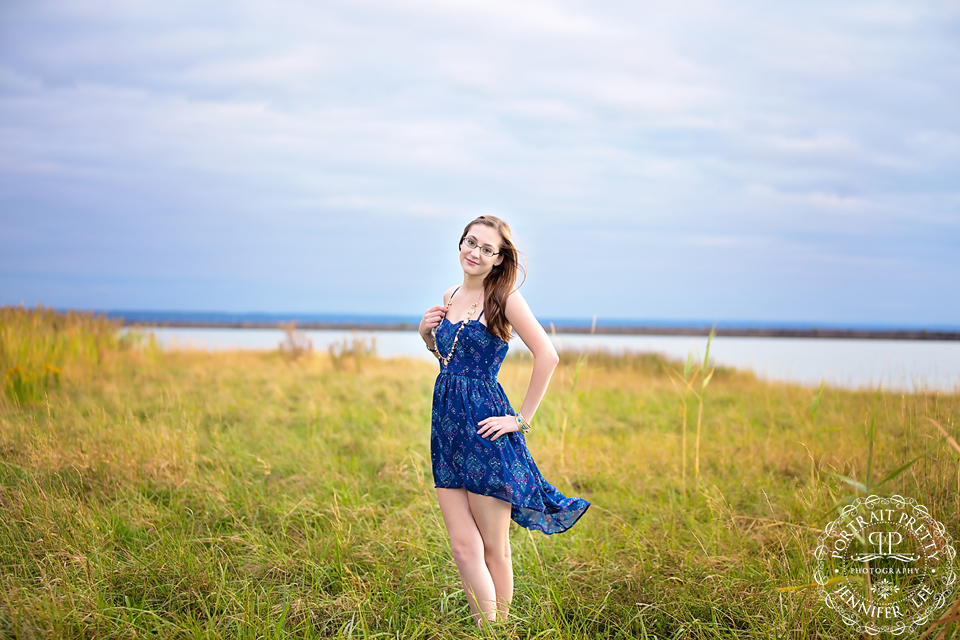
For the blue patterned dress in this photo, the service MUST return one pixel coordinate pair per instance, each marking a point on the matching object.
(465, 393)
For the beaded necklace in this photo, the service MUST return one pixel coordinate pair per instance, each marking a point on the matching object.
(473, 307)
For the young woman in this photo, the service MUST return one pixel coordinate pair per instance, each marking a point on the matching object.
(482, 470)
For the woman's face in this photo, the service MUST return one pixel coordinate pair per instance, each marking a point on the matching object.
(473, 261)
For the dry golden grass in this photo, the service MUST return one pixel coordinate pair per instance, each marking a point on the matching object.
(249, 495)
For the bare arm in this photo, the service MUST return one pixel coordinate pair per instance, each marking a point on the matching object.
(432, 318)
(545, 358)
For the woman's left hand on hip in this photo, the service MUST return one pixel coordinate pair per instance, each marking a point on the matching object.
(497, 426)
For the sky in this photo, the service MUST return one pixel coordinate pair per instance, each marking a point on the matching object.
(692, 160)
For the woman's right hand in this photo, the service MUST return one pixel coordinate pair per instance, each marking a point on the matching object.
(432, 319)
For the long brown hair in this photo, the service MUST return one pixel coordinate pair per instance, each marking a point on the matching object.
(502, 280)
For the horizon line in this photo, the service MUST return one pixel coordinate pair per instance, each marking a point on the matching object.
(595, 325)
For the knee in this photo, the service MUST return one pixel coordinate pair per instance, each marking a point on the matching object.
(465, 552)
(497, 552)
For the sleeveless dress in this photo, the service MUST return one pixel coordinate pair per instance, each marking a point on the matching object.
(466, 392)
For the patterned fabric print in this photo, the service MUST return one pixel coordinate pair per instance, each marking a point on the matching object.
(465, 393)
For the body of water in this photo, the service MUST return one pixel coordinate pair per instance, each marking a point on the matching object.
(896, 364)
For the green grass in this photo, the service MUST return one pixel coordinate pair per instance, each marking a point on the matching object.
(236, 495)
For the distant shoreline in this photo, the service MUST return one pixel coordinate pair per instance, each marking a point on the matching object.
(730, 332)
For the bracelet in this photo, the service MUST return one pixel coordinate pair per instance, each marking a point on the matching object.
(522, 423)
(433, 349)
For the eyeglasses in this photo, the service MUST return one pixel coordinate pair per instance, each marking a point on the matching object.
(472, 244)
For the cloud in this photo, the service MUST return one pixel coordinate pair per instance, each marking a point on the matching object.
(809, 200)
(535, 17)
(725, 129)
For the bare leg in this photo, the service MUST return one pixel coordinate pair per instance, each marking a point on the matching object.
(468, 552)
(492, 516)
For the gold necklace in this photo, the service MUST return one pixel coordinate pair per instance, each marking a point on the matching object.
(473, 307)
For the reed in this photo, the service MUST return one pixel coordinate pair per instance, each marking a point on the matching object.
(357, 349)
(692, 369)
(295, 343)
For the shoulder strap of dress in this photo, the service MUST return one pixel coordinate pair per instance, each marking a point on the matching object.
(481, 315)
(453, 294)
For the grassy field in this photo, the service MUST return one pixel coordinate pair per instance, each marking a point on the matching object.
(259, 495)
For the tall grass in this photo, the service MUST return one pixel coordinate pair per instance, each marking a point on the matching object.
(235, 495)
(691, 371)
(37, 345)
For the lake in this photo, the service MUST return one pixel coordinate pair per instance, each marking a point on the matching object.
(898, 364)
